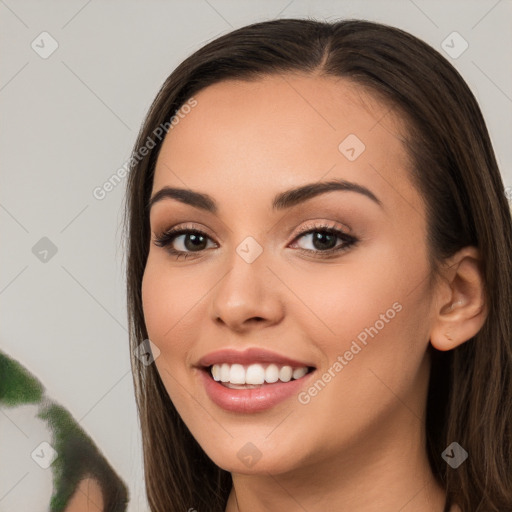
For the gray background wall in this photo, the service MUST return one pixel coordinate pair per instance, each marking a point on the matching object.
(68, 122)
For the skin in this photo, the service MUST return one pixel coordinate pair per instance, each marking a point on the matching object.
(88, 497)
(358, 445)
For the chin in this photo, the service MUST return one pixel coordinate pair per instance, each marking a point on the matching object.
(248, 458)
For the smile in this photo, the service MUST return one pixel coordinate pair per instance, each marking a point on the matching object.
(237, 376)
(253, 398)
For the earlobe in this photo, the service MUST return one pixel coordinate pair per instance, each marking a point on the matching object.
(460, 310)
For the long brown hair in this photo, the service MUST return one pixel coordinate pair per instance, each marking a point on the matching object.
(455, 170)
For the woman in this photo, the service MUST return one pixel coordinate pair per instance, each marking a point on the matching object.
(319, 251)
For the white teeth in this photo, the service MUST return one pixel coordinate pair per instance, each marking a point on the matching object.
(271, 373)
(286, 373)
(224, 373)
(237, 374)
(299, 372)
(255, 374)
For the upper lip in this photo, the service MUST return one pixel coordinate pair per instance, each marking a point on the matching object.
(248, 356)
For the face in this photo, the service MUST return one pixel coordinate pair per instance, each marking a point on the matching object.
(334, 280)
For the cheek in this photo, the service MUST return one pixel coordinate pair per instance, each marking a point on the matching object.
(159, 307)
(374, 337)
(156, 301)
(339, 301)
(372, 310)
(173, 300)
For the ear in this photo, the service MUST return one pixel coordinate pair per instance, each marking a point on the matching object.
(460, 307)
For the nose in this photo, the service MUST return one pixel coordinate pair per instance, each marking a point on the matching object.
(248, 296)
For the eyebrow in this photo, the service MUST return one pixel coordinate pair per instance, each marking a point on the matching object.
(283, 200)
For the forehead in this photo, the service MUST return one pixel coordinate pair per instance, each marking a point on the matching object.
(277, 132)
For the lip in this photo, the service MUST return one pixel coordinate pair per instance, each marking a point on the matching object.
(248, 356)
(251, 400)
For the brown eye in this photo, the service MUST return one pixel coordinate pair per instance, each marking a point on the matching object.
(192, 240)
(187, 241)
(323, 240)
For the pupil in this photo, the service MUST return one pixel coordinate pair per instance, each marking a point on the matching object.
(196, 241)
(320, 236)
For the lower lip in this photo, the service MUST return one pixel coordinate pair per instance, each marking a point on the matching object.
(251, 400)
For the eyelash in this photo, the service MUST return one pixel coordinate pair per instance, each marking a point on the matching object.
(167, 237)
